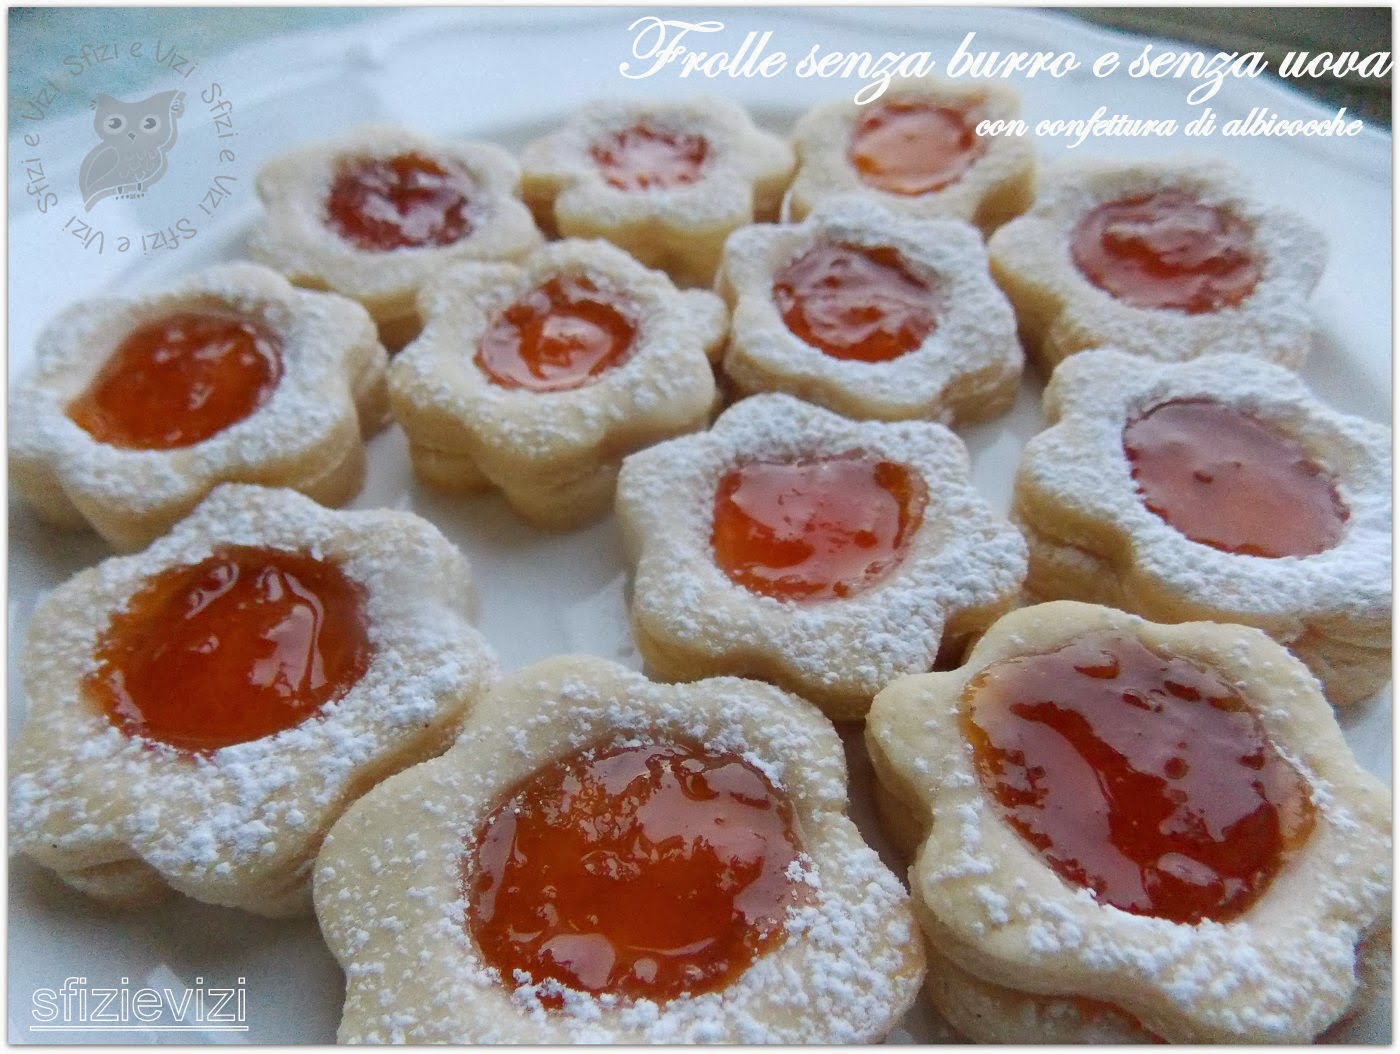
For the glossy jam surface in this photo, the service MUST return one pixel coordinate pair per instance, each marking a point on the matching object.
(562, 335)
(1230, 481)
(1144, 777)
(855, 303)
(180, 379)
(242, 645)
(1167, 250)
(646, 158)
(911, 146)
(639, 871)
(407, 201)
(816, 529)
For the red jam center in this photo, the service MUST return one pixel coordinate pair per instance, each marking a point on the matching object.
(179, 380)
(401, 202)
(1144, 777)
(561, 336)
(855, 303)
(642, 871)
(1167, 250)
(908, 146)
(242, 645)
(646, 158)
(1227, 480)
(815, 530)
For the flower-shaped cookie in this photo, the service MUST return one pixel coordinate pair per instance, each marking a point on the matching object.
(1162, 819)
(870, 314)
(1217, 489)
(136, 406)
(1164, 260)
(665, 181)
(201, 712)
(377, 213)
(822, 554)
(603, 859)
(539, 379)
(917, 151)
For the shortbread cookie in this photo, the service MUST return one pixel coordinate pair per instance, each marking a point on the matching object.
(916, 150)
(539, 379)
(136, 406)
(822, 554)
(667, 182)
(997, 1014)
(1165, 260)
(1163, 819)
(871, 315)
(377, 213)
(201, 712)
(1216, 489)
(603, 859)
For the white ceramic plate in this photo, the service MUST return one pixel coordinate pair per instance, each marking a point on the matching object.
(505, 76)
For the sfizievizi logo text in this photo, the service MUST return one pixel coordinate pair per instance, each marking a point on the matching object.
(77, 1006)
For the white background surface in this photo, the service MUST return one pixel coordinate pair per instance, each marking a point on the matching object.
(507, 75)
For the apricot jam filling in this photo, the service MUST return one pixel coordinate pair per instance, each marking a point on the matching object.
(815, 529)
(244, 644)
(562, 335)
(1230, 481)
(1167, 250)
(407, 201)
(636, 871)
(645, 158)
(854, 302)
(178, 380)
(912, 146)
(1143, 777)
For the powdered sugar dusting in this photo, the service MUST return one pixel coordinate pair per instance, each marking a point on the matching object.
(1280, 972)
(664, 386)
(963, 561)
(738, 157)
(331, 359)
(293, 236)
(848, 969)
(1066, 313)
(966, 369)
(1074, 487)
(240, 825)
(995, 187)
